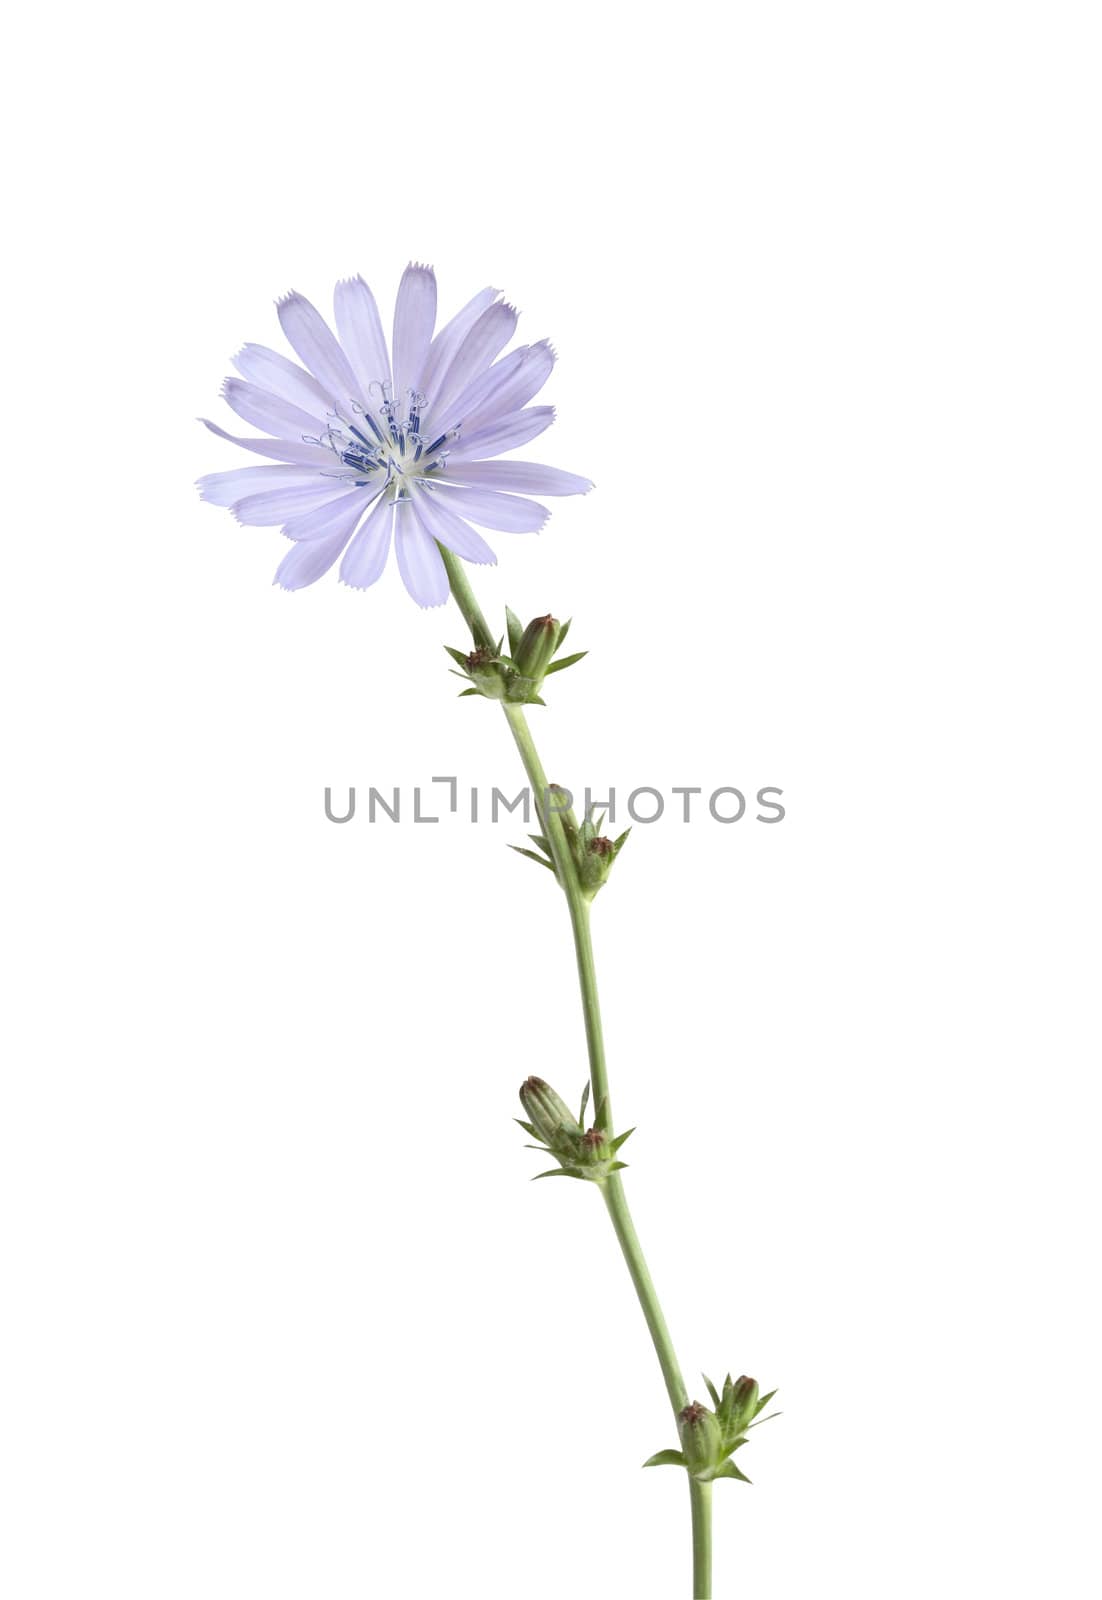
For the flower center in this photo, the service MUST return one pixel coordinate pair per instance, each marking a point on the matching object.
(387, 440)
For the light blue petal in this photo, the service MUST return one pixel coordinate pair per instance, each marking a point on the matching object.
(451, 531)
(315, 344)
(523, 477)
(414, 320)
(419, 560)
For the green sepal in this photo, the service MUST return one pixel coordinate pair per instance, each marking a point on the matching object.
(763, 1402)
(618, 844)
(539, 840)
(563, 631)
(533, 1133)
(534, 700)
(585, 1102)
(515, 629)
(519, 848)
(615, 1145)
(666, 1458)
(556, 1172)
(457, 656)
(567, 661)
(463, 693)
(710, 1385)
(618, 1166)
(729, 1470)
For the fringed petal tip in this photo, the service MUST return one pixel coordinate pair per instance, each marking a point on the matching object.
(421, 266)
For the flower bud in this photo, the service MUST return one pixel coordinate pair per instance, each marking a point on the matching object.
(595, 863)
(701, 1438)
(595, 1149)
(745, 1398)
(557, 798)
(486, 673)
(537, 645)
(546, 1112)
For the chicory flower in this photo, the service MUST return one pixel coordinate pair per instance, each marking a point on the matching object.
(375, 446)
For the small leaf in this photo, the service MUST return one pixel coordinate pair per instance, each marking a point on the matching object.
(618, 1166)
(620, 1137)
(515, 629)
(711, 1386)
(601, 1119)
(764, 1401)
(666, 1458)
(457, 656)
(769, 1418)
(729, 1470)
(563, 631)
(554, 1172)
(533, 1133)
(538, 839)
(567, 661)
(618, 844)
(463, 693)
(536, 701)
(519, 848)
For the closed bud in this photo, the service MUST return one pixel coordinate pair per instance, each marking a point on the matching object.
(537, 645)
(487, 674)
(701, 1439)
(546, 1112)
(595, 1148)
(595, 864)
(745, 1396)
(558, 804)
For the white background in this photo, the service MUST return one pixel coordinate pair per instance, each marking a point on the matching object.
(284, 1317)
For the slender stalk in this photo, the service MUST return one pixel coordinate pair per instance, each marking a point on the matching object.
(577, 904)
(463, 595)
(700, 1499)
(616, 1201)
(613, 1189)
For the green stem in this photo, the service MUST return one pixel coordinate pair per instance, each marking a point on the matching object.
(612, 1189)
(700, 1499)
(616, 1201)
(463, 595)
